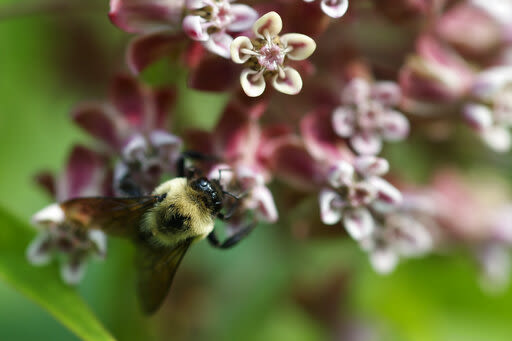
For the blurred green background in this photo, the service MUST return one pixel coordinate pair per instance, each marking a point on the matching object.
(271, 287)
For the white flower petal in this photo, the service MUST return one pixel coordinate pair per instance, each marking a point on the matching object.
(487, 83)
(366, 143)
(192, 26)
(498, 138)
(371, 165)
(269, 23)
(252, 83)
(38, 252)
(52, 214)
(334, 9)
(72, 272)
(328, 214)
(291, 84)
(394, 125)
(388, 197)
(99, 239)
(343, 121)
(478, 116)
(302, 46)
(384, 260)
(341, 174)
(236, 47)
(220, 44)
(358, 222)
(244, 17)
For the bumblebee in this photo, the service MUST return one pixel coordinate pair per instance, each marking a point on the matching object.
(163, 225)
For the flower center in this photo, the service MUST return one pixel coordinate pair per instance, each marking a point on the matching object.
(271, 56)
(221, 14)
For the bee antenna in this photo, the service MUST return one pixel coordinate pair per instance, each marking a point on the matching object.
(223, 170)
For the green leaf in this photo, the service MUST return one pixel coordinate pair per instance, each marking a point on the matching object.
(43, 284)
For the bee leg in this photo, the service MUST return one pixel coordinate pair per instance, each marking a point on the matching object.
(233, 240)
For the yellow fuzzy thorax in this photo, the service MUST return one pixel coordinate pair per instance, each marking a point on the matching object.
(187, 202)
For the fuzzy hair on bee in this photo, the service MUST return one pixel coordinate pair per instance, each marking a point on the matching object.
(163, 225)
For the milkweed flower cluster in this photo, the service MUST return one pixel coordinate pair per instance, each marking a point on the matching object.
(442, 66)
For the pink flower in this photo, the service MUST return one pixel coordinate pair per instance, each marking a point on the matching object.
(86, 175)
(355, 191)
(265, 57)
(208, 21)
(333, 8)
(133, 126)
(491, 115)
(366, 115)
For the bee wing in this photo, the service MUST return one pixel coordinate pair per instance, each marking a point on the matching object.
(156, 268)
(115, 216)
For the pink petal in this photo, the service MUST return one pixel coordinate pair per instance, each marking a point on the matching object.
(328, 213)
(165, 100)
(487, 83)
(291, 162)
(478, 116)
(239, 43)
(357, 91)
(269, 23)
(320, 139)
(498, 138)
(252, 82)
(387, 93)
(219, 43)
(394, 126)
(290, 84)
(128, 97)
(302, 46)
(358, 222)
(96, 119)
(244, 18)
(143, 16)
(263, 204)
(334, 8)
(213, 74)
(343, 120)
(193, 27)
(388, 197)
(146, 49)
(366, 143)
(371, 166)
(84, 175)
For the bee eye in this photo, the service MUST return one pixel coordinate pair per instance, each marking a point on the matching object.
(203, 184)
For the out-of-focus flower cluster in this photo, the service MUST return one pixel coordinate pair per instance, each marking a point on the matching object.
(439, 66)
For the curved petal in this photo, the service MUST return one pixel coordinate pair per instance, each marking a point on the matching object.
(328, 213)
(341, 174)
(366, 143)
(394, 125)
(334, 9)
(143, 16)
(73, 270)
(39, 250)
(236, 47)
(291, 84)
(388, 93)
(146, 49)
(98, 121)
(478, 116)
(99, 239)
(388, 197)
(128, 97)
(487, 83)
(358, 222)
(84, 176)
(244, 17)
(498, 138)
(219, 43)
(269, 23)
(192, 26)
(343, 121)
(253, 83)
(301, 45)
(264, 204)
(371, 166)
(50, 215)
(356, 92)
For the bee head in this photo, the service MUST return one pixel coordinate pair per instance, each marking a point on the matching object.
(210, 191)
